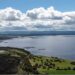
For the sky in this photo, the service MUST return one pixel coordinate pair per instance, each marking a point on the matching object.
(24, 5)
(37, 15)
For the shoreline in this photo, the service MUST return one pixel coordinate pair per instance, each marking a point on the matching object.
(25, 50)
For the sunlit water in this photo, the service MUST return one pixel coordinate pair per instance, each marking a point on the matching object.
(59, 46)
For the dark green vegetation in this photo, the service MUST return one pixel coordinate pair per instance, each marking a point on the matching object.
(19, 61)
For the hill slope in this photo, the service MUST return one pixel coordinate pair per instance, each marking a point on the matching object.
(19, 61)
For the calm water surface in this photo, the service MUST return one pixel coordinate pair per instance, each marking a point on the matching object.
(59, 46)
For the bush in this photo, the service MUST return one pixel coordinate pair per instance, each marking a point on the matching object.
(73, 63)
(73, 68)
(44, 67)
(57, 68)
(69, 68)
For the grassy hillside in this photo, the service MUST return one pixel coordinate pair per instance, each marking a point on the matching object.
(19, 61)
(53, 65)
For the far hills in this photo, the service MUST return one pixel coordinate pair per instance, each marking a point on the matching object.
(36, 33)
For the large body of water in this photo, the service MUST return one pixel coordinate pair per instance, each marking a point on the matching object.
(59, 46)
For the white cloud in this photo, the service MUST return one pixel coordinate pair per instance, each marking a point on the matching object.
(36, 19)
(42, 13)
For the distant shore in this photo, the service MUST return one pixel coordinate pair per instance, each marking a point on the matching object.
(6, 37)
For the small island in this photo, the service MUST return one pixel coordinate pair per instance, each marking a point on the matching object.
(20, 61)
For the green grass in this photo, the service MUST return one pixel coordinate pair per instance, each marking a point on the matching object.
(61, 72)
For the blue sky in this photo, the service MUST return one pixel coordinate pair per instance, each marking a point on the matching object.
(24, 5)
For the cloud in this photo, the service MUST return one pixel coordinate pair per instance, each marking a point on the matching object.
(42, 13)
(37, 19)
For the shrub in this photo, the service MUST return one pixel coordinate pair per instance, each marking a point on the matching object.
(73, 63)
(69, 68)
(57, 68)
(73, 68)
(44, 67)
